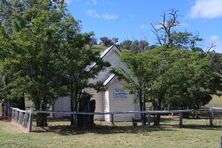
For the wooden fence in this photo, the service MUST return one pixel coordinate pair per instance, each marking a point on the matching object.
(24, 118)
(148, 114)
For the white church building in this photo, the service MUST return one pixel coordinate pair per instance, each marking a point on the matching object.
(115, 98)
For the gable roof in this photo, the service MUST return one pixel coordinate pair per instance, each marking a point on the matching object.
(102, 55)
(106, 51)
(109, 79)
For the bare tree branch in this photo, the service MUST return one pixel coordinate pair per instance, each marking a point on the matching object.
(163, 33)
(211, 46)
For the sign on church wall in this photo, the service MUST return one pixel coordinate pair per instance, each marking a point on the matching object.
(120, 93)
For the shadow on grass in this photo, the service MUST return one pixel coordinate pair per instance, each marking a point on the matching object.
(63, 127)
(100, 129)
(203, 127)
(104, 129)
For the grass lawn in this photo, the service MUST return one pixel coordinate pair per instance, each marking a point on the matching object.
(215, 102)
(124, 135)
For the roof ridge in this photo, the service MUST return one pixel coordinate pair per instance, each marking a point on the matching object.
(109, 79)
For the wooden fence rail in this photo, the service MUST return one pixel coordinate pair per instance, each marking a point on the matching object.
(24, 117)
(147, 113)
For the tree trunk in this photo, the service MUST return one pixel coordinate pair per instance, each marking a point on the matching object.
(156, 120)
(72, 117)
(92, 110)
(41, 118)
(21, 102)
(3, 109)
(144, 109)
(73, 106)
(85, 105)
(157, 116)
(143, 116)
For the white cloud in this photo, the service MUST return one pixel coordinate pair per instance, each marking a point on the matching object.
(143, 26)
(92, 13)
(215, 40)
(110, 17)
(206, 9)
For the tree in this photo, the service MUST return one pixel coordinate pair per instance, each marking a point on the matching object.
(167, 35)
(136, 46)
(93, 41)
(45, 55)
(35, 38)
(78, 64)
(138, 77)
(105, 41)
(177, 79)
(115, 40)
(126, 44)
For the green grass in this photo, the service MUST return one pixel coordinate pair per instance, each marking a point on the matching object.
(103, 135)
(215, 102)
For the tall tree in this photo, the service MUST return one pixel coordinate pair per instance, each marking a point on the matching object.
(77, 64)
(169, 79)
(141, 70)
(136, 46)
(35, 39)
(93, 41)
(105, 41)
(167, 34)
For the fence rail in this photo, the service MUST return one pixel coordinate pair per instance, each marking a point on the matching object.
(24, 117)
(126, 112)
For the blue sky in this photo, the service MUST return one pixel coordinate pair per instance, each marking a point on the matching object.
(131, 19)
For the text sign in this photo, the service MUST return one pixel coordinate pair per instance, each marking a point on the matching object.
(120, 93)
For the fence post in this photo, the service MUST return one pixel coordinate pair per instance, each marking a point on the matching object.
(30, 120)
(148, 119)
(112, 118)
(211, 116)
(13, 114)
(181, 119)
(17, 117)
(221, 142)
(24, 119)
(20, 117)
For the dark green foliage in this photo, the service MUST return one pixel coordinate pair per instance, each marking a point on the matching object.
(93, 41)
(105, 41)
(171, 79)
(43, 54)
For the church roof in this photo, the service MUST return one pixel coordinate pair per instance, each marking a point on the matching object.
(109, 79)
(102, 55)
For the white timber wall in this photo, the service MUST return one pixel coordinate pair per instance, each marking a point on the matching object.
(120, 100)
